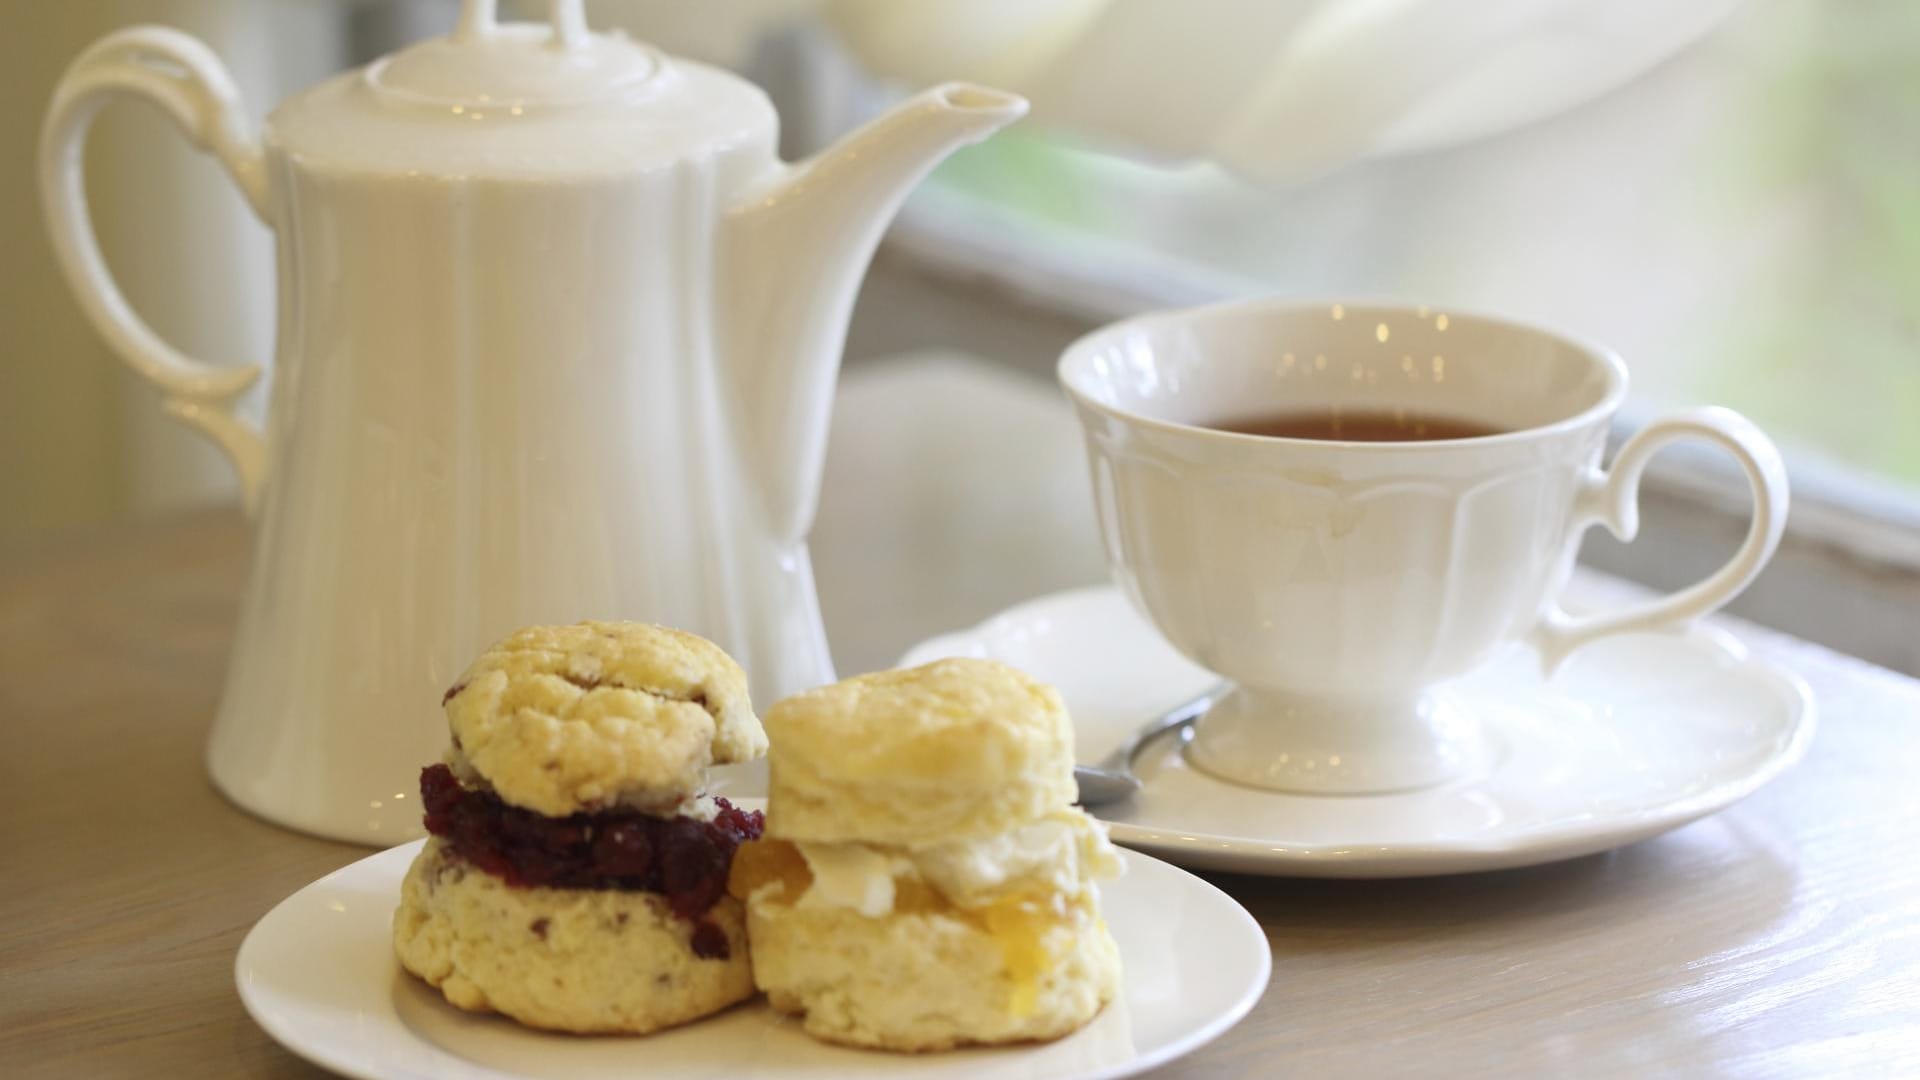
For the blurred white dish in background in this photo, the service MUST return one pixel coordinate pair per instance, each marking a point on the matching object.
(1275, 90)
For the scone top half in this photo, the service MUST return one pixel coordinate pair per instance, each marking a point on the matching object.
(958, 750)
(561, 720)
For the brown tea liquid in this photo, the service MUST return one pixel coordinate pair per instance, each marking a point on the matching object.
(1364, 426)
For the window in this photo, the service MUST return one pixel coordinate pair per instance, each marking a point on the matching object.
(1742, 223)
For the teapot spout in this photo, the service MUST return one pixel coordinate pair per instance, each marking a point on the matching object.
(792, 255)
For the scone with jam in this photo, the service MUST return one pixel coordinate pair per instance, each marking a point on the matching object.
(574, 878)
(924, 881)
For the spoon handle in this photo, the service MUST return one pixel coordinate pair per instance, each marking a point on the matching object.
(1121, 759)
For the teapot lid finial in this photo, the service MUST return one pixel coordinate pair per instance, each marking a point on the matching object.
(486, 62)
(480, 18)
(569, 19)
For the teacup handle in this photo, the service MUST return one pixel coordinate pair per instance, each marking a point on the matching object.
(1611, 498)
(187, 82)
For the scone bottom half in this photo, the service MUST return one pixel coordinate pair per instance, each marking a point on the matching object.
(925, 907)
(574, 878)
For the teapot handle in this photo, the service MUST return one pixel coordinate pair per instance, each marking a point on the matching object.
(188, 83)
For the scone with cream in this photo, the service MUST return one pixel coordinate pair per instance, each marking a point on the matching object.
(924, 881)
(574, 878)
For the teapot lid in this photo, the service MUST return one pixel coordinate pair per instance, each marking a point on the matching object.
(520, 99)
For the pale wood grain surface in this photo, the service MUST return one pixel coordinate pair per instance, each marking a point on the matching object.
(1781, 938)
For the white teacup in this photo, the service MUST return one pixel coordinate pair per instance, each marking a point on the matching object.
(1338, 583)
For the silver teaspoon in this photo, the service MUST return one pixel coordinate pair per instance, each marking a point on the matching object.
(1112, 779)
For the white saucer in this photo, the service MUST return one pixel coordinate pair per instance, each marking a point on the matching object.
(1635, 736)
(318, 974)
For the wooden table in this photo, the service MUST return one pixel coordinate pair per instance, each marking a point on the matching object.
(1781, 938)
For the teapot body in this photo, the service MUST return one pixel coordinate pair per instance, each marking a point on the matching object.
(497, 402)
(558, 335)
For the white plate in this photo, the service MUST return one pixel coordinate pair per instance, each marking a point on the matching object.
(1637, 735)
(318, 974)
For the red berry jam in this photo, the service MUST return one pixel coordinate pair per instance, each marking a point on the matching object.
(683, 859)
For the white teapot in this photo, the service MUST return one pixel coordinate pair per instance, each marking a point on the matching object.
(558, 335)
